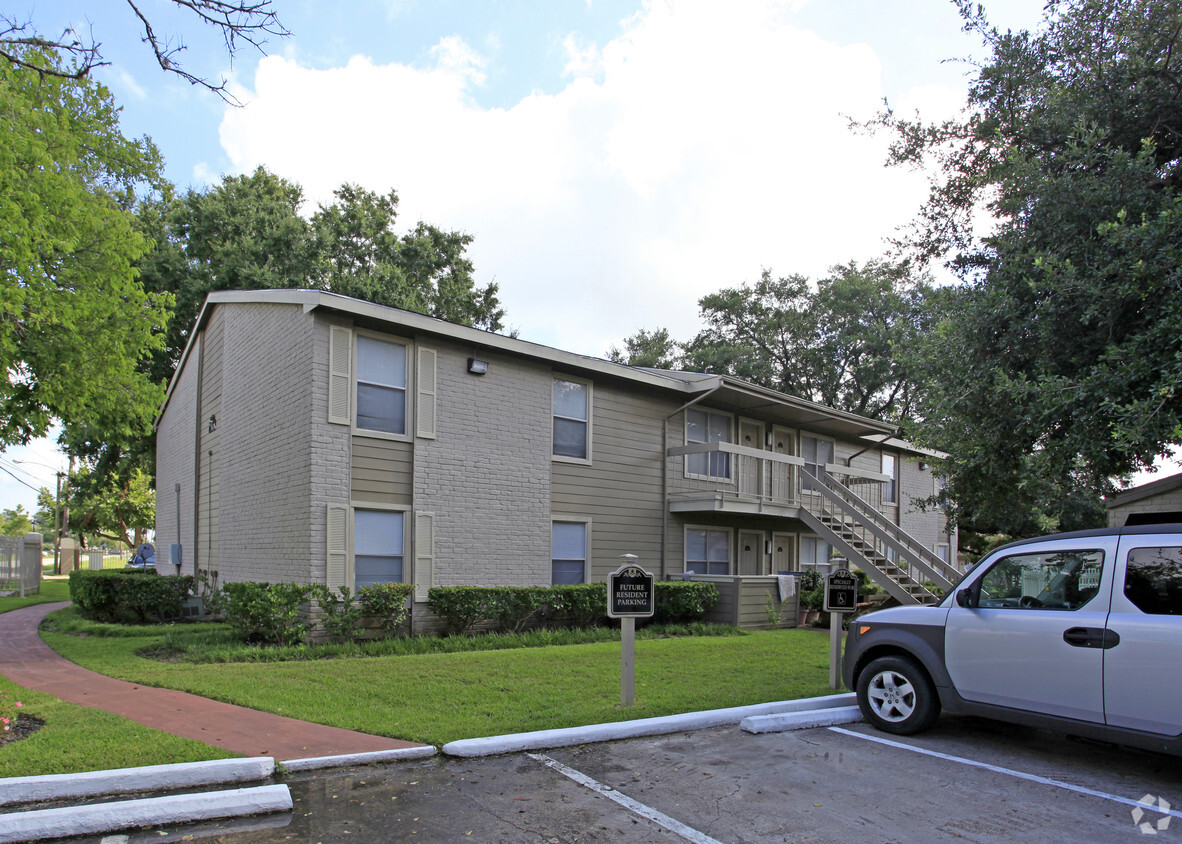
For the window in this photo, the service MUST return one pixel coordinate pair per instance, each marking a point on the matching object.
(707, 551)
(1153, 580)
(568, 552)
(703, 426)
(381, 385)
(377, 547)
(942, 551)
(816, 453)
(572, 415)
(1065, 580)
(890, 493)
(814, 554)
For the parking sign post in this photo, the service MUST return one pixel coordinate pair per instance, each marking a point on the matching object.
(841, 596)
(630, 595)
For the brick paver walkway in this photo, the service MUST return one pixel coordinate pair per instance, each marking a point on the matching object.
(29, 662)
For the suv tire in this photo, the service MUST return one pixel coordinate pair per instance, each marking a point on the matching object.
(896, 696)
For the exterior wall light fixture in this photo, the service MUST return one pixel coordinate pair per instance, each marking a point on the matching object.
(477, 366)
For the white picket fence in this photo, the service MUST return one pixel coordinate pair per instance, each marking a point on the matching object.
(20, 564)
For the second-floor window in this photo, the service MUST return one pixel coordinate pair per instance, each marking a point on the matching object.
(890, 468)
(381, 385)
(572, 419)
(704, 426)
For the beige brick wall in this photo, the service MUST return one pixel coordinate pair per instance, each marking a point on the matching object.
(486, 476)
(176, 444)
(1166, 502)
(265, 464)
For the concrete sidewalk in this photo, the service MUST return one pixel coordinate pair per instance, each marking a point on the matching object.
(29, 662)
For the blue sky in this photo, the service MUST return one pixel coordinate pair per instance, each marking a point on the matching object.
(614, 160)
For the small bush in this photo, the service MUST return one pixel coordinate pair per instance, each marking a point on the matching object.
(342, 615)
(388, 602)
(680, 601)
(512, 607)
(121, 595)
(267, 613)
(460, 607)
(584, 604)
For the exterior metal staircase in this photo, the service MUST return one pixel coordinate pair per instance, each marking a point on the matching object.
(893, 559)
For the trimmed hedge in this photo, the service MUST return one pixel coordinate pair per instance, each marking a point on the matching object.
(120, 595)
(583, 605)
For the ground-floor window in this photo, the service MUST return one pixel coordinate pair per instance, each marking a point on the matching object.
(568, 552)
(814, 554)
(708, 550)
(942, 553)
(378, 547)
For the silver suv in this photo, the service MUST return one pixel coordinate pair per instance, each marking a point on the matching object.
(1078, 632)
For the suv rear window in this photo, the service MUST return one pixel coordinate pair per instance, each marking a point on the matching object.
(1153, 580)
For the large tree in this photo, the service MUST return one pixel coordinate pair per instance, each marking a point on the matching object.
(1058, 364)
(359, 253)
(74, 319)
(844, 342)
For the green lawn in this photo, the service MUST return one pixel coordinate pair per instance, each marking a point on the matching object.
(432, 698)
(51, 590)
(435, 698)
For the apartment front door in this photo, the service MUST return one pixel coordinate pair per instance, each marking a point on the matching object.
(783, 552)
(750, 468)
(751, 554)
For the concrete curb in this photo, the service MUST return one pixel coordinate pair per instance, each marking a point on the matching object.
(124, 780)
(152, 811)
(313, 763)
(495, 745)
(785, 721)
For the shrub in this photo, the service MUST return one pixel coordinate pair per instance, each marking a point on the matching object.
(682, 601)
(513, 606)
(387, 602)
(121, 595)
(267, 613)
(584, 604)
(459, 606)
(342, 615)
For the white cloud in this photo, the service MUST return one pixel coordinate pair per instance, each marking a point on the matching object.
(701, 145)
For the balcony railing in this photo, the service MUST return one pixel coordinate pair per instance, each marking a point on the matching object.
(716, 476)
(725, 472)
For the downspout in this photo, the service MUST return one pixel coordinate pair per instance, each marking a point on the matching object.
(665, 473)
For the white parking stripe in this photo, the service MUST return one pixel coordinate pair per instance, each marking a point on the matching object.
(674, 826)
(1009, 772)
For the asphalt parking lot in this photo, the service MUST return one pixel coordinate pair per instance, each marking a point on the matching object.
(966, 780)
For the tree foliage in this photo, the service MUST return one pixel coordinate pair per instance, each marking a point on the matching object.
(74, 319)
(843, 344)
(654, 349)
(1057, 366)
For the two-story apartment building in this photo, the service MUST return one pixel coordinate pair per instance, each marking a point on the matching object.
(310, 437)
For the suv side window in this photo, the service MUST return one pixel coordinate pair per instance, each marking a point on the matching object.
(1153, 580)
(1063, 580)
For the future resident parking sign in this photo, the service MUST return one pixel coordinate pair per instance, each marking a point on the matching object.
(630, 593)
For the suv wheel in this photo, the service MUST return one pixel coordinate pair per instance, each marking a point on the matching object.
(896, 696)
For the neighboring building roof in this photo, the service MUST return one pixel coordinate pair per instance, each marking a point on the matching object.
(1148, 490)
(694, 387)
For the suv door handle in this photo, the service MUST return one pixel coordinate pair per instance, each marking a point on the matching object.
(1091, 637)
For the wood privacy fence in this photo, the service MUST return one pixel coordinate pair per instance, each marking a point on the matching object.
(20, 564)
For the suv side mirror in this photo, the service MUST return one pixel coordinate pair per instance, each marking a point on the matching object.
(967, 598)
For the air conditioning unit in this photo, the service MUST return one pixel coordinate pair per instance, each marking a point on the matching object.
(193, 607)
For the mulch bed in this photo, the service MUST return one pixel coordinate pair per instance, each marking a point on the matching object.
(25, 726)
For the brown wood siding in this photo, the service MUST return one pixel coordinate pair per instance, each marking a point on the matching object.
(621, 490)
(382, 471)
